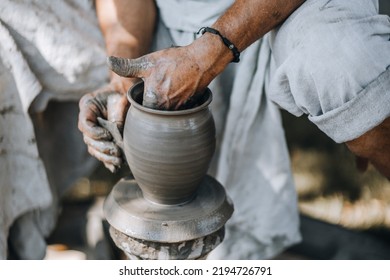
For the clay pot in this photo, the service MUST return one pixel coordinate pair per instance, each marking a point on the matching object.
(168, 151)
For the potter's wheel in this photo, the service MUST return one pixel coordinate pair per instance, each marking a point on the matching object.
(129, 212)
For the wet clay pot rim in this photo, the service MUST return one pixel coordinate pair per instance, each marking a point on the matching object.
(135, 96)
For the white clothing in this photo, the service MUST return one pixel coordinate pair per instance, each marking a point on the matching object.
(50, 50)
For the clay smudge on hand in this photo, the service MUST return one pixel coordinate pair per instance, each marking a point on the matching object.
(129, 67)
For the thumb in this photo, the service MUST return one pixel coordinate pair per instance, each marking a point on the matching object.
(117, 106)
(126, 67)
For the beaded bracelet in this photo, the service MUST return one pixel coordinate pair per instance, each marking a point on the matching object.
(226, 41)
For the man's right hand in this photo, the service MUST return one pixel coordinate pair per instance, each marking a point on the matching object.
(110, 103)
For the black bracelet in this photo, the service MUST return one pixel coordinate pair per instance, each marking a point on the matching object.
(226, 41)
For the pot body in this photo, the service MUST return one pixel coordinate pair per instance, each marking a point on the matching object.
(168, 152)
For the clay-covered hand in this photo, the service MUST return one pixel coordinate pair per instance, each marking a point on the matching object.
(172, 76)
(108, 103)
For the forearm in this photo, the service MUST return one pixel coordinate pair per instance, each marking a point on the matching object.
(243, 23)
(248, 20)
(172, 76)
(127, 26)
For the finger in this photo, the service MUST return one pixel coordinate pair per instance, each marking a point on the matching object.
(150, 99)
(117, 106)
(125, 67)
(92, 130)
(87, 122)
(105, 147)
(156, 99)
(106, 159)
(190, 101)
(111, 167)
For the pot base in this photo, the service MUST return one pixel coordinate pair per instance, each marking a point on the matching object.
(196, 249)
(127, 211)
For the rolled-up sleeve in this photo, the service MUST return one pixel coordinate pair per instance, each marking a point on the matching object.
(332, 63)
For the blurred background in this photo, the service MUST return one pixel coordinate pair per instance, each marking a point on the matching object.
(345, 214)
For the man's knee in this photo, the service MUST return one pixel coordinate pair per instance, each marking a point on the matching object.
(374, 145)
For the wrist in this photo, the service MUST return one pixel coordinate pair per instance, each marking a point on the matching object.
(211, 54)
(226, 42)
